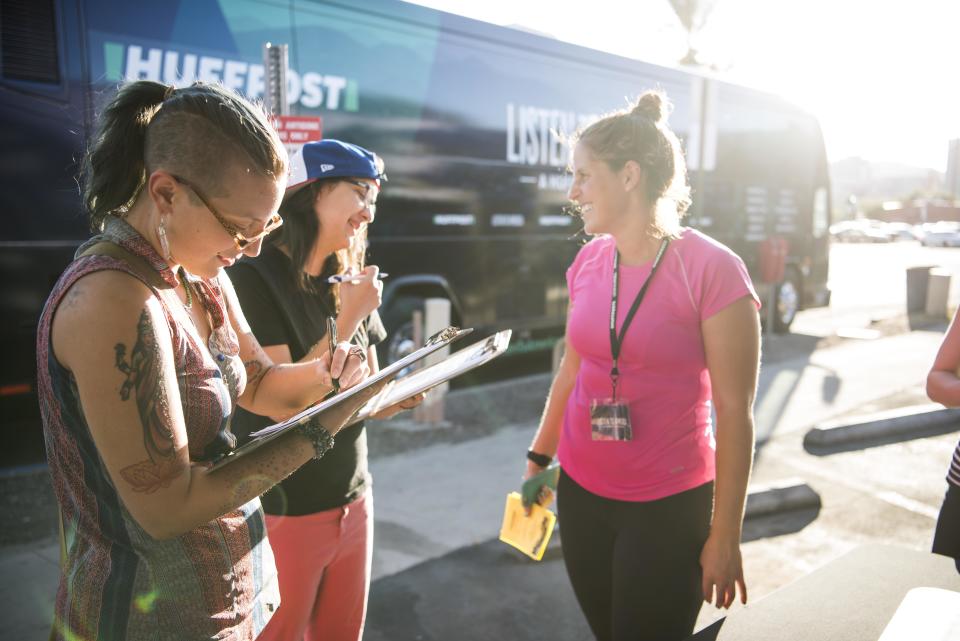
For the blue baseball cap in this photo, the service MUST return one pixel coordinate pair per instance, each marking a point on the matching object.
(331, 158)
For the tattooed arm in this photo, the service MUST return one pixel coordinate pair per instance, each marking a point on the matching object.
(279, 387)
(112, 335)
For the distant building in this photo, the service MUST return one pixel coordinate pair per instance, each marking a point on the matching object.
(952, 179)
(872, 182)
(919, 211)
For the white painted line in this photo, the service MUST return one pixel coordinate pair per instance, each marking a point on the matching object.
(893, 498)
(909, 504)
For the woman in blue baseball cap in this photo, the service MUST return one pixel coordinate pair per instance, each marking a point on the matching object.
(320, 520)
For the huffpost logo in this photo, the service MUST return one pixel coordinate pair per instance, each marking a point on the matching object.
(311, 89)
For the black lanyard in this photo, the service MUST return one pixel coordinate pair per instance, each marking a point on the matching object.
(616, 342)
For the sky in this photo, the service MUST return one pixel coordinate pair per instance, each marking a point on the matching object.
(882, 76)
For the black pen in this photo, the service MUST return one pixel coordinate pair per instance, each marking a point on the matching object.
(332, 339)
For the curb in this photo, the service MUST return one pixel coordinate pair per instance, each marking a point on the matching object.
(781, 496)
(897, 422)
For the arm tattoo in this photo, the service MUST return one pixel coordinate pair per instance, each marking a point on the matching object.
(255, 367)
(255, 372)
(149, 476)
(249, 480)
(143, 377)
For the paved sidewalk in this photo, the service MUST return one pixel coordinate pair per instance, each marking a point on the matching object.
(30, 573)
(446, 492)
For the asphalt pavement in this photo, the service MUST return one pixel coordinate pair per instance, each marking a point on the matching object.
(439, 571)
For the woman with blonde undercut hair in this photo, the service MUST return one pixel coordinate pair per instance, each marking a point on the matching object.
(144, 354)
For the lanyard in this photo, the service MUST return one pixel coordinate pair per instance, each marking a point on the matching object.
(616, 342)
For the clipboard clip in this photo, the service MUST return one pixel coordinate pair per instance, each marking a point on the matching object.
(446, 334)
(496, 342)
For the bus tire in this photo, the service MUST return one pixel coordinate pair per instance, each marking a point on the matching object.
(398, 321)
(788, 301)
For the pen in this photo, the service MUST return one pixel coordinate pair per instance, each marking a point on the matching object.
(343, 278)
(332, 339)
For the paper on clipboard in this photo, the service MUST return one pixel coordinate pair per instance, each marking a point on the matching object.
(267, 434)
(426, 379)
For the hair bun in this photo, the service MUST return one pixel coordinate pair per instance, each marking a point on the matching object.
(652, 105)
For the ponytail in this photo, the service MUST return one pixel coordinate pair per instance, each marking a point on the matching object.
(113, 168)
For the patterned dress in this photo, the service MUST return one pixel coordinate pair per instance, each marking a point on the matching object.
(953, 474)
(217, 581)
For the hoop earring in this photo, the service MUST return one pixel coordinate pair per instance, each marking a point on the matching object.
(164, 243)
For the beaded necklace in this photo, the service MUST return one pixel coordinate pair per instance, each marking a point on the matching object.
(186, 288)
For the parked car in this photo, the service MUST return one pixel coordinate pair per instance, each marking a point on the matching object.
(943, 234)
(859, 231)
(902, 231)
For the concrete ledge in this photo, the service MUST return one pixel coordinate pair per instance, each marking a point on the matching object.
(904, 421)
(781, 496)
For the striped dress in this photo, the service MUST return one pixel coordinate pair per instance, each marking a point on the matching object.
(953, 474)
(215, 582)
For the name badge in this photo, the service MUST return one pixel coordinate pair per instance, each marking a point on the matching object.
(610, 420)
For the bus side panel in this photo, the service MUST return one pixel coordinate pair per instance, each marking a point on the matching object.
(42, 140)
(477, 175)
(770, 164)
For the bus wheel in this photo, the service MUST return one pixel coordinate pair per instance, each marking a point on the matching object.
(398, 321)
(788, 302)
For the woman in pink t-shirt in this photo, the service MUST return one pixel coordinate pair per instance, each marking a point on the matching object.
(651, 493)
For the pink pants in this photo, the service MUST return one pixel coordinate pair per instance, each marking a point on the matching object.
(323, 566)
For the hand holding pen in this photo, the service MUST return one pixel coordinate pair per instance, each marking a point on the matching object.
(346, 363)
(360, 295)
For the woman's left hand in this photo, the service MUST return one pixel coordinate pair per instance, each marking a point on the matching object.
(393, 410)
(722, 570)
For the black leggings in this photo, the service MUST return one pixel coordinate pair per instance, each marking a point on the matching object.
(946, 538)
(635, 566)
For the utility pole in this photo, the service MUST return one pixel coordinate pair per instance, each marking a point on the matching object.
(275, 79)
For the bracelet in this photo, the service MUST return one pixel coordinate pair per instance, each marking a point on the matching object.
(319, 437)
(540, 459)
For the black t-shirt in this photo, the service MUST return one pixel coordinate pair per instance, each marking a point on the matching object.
(281, 313)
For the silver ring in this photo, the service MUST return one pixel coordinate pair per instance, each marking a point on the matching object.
(358, 352)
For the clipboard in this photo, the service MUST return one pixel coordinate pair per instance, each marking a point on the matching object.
(438, 341)
(426, 379)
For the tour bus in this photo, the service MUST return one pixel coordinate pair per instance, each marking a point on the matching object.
(469, 117)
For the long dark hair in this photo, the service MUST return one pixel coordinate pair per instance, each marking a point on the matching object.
(188, 131)
(299, 236)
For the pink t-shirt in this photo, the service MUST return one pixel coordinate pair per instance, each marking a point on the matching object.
(663, 372)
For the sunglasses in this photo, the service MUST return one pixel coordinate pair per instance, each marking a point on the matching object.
(241, 241)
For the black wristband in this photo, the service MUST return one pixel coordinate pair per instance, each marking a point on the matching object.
(318, 436)
(540, 459)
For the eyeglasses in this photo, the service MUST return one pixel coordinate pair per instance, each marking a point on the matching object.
(239, 239)
(370, 194)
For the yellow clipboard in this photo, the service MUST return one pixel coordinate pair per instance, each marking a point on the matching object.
(529, 534)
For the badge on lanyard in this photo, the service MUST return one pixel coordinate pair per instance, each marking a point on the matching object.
(610, 420)
(610, 417)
